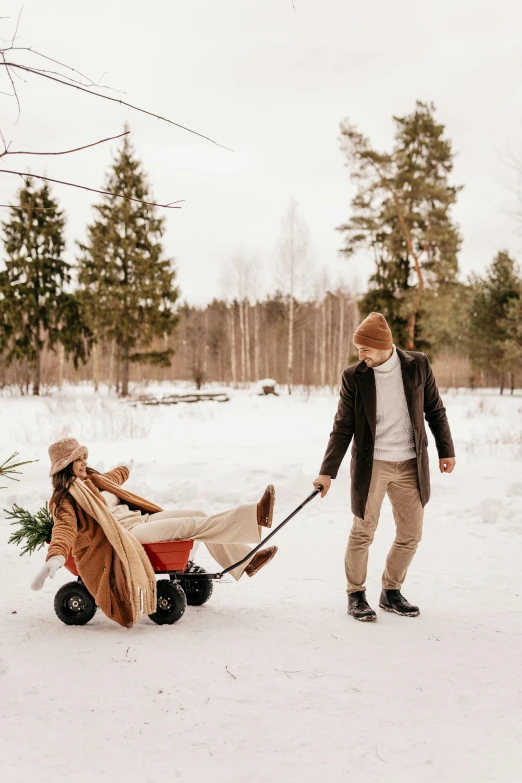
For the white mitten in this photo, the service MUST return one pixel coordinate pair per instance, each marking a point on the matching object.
(128, 465)
(49, 569)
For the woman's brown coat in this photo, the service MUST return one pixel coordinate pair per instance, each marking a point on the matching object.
(356, 417)
(75, 530)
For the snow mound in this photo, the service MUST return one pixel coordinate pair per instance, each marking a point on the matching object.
(489, 510)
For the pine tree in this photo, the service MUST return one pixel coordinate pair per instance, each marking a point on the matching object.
(34, 530)
(128, 289)
(494, 317)
(402, 213)
(513, 343)
(35, 306)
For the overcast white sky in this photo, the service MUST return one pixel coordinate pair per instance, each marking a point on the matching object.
(273, 84)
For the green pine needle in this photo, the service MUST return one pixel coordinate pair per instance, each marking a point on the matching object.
(34, 530)
(9, 468)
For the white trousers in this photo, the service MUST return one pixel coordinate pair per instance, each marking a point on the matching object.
(228, 536)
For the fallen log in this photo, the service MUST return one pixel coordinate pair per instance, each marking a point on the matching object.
(174, 399)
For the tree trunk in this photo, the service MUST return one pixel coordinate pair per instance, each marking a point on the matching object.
(204, 347)
(502, 382)
(111, 365)
(512, 378)
(125, 375)
(410, 330)
(257, 367)
(340, 355)
(317, 345)
(242, 340)
(303, 358)
(246, 322)
(329, 341)
(323, 343)
(290, 362)
(61, 364)
(232, 322)
(36, 373)
(95, 366)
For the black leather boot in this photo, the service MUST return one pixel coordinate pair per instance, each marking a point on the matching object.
(394, 601)
(359, 608)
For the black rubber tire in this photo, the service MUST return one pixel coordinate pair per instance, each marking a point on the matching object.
(172, 603)
(198, 591)
(74, 605)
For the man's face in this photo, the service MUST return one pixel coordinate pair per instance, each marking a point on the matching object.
(372, 356)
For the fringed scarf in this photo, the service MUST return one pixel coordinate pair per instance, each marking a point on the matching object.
(135, 579)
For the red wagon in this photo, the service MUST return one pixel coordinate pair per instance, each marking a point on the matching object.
(187, 583)
(74, 604)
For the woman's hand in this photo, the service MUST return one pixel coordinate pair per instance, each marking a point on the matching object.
(49, 569)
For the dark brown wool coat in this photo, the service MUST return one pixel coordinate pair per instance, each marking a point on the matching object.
(356, 417)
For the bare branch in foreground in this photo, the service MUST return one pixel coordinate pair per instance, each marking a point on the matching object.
(64, 65)
(63, 152)
(41, 73)
(170, 205)
(17, 26)
(13, 85)
(17, 206)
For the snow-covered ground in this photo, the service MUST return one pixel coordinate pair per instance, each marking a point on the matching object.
(271, 681)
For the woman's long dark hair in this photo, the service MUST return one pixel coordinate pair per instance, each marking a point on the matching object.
(61, 485)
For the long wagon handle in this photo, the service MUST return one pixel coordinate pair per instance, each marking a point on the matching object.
(310, 497)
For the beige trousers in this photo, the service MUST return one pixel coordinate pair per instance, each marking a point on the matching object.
(398, 480)
(226, 535)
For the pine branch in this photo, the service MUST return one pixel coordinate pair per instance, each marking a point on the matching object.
(34, 530)
(8, 468)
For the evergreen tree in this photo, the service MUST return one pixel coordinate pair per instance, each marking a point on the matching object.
(35, 306)
(402, 213)
(128, 288)
(494, 317)
(513, 344)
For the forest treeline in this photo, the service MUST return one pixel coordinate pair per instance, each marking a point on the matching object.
(115, 314)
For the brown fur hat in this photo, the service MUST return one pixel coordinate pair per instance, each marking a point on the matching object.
(65, 451)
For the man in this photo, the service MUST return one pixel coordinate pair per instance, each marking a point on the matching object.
(384, 400)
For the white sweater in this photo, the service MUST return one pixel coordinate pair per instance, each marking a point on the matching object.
(394, 440)
(127, 518)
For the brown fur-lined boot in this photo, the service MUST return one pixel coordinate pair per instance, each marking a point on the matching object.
(265, 507)
(260, 559)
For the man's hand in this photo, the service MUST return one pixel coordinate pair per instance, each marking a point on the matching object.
(325, 482)
(447, 464)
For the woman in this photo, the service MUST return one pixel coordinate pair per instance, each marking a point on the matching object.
(93, 516)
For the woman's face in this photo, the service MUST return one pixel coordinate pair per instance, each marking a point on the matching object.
(80, 468)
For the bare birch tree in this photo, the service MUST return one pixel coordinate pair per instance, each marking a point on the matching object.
(240, 281)
(293, 264)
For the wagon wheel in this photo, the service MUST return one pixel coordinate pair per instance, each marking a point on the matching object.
(171, 605)
(198, 591)
(73, 604)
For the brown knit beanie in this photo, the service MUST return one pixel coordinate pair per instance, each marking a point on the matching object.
(374, 332)
(65, 451)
